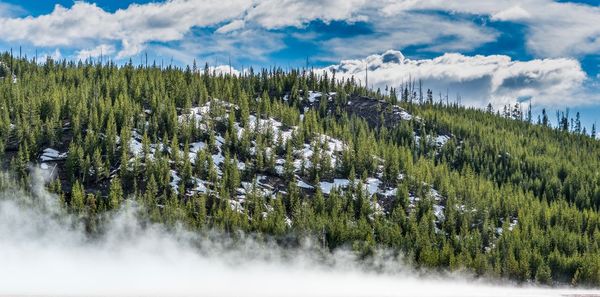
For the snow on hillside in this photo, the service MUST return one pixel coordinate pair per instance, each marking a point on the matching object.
(437, 141)
(268, 184)
(338, 183)
(50, 154)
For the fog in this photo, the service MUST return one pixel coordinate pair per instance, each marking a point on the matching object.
(45, 252)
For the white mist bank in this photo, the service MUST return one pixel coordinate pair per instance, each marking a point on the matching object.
(41, 254)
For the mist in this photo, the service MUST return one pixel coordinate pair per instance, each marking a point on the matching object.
(46, 252)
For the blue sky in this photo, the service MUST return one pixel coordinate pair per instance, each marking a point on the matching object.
(488, 51)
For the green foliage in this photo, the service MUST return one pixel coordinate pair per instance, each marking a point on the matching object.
(520, 200)
(115, 195)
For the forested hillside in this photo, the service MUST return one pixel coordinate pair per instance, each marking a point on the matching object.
(294, 154)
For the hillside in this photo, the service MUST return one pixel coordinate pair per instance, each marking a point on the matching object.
(297, 154)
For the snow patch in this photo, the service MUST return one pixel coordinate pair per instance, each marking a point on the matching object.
(304, 185)
(337, 183)
(50, 154)
(312, 96)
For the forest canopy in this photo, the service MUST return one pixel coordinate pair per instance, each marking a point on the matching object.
(295, 154)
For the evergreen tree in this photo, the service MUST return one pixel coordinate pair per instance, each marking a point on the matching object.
(115, 194)
(77, 198)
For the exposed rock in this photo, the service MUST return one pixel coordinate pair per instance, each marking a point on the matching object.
(373, 111)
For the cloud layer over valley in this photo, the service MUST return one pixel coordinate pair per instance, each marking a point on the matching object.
(45, 252)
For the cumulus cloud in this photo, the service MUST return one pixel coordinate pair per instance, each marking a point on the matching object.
(56, 55)
(555, 28)
(435, 33)
(478, 79)
(224, 70)
(84, 25)
(560, 29)
(281, 13)
(511, 14)
(103, 49)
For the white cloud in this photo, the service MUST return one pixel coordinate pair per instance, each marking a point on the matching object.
(10, 10)
(235, 25)
(437, 33)
(85, 25)
(514, 13)
(555, 28)
(392, 7)
(565, 29)
(281, 13)
(407, 22)
(224, 70)
(56, 55)
(241, 45)
(44, 246)
(478, 79)
(101, 50)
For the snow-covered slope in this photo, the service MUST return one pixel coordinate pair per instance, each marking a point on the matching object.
(273, 181)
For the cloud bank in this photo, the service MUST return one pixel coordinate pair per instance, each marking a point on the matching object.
(479, 80)
(555, 29)
(85, 26)
(45, 252)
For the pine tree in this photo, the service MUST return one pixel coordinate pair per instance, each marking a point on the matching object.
(100, 171)
(315, 160)
(200, 166)
(111, 137)
(577, 128)
(288, 166)
(244, 110)
(543, 274)
(77, 198)
(429, 96)
(19, 163)
(115, 194)
(186, 169)
(174, 151)
(75, 160)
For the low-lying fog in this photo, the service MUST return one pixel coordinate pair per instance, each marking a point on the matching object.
(41, 253)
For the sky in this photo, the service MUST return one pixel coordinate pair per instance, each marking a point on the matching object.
(498, 52)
